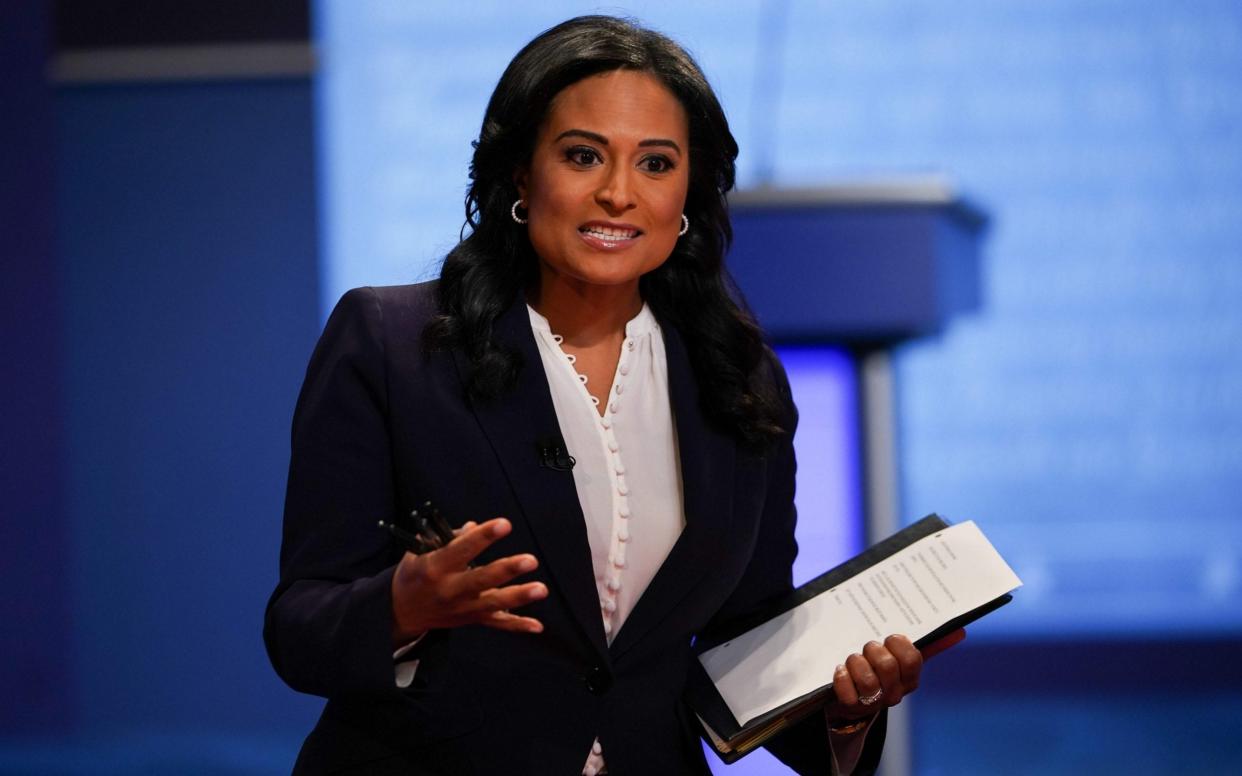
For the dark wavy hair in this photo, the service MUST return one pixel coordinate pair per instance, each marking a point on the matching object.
(692, 290)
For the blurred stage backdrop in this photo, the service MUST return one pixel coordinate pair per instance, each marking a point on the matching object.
(192, 190)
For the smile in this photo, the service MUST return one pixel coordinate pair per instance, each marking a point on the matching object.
(609, 233)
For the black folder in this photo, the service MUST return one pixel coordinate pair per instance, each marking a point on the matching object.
(732, 739)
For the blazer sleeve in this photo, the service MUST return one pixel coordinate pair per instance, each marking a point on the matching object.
(804, 747)
(328, 624)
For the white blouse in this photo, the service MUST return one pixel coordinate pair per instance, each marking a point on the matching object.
(627, 471)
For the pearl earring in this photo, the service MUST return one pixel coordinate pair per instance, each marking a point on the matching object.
(685, 225)
(516, 217)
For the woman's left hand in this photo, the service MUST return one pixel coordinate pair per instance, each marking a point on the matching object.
(880, 676)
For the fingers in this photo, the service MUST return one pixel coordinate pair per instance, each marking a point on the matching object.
(866, 680)
(507, 621)
(505, 598)
(474, 595)
(440, 589)
(887, 670)
(881, 675)
(468, 544)
(491, 608)
(855, 682)
(494, 574)
(909, 661)
(843, 686)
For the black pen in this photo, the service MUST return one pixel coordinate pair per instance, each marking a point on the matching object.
(431, 531)
(412, 542)
(433, 528)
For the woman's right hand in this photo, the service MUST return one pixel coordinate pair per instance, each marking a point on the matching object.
(440, 589)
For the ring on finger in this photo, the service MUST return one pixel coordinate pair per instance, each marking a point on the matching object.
(867, 700)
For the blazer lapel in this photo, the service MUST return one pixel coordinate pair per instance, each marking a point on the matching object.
(515, 423)
(707, 471)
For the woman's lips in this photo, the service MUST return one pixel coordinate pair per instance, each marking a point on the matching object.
(609, 237)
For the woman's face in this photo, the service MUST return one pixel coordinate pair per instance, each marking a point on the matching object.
(607, 180)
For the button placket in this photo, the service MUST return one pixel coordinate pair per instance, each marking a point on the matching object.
(620, 528)
(613, 577)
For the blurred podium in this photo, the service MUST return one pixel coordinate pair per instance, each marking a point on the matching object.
(866, 265)
(838, 276)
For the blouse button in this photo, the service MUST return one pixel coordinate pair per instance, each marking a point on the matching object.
(614, 584)
(610, 606)
(623, 533)
(619, 559)
(620, 468)
(629, 344)
(622, 488)
(624, 369)
(620, 389)
(613, 446)
(596, 748)
(624, 509)
(614, 408)
(605, 423)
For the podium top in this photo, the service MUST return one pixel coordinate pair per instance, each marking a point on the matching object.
(934, 191)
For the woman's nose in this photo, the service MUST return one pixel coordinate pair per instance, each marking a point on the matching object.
(616, 191)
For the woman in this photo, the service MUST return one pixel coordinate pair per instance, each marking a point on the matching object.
(582, 368)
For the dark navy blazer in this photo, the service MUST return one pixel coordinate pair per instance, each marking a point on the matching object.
(382, 426)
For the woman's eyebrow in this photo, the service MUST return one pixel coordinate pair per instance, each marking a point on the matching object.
(598, 138)
(595, 136)
(660, 141)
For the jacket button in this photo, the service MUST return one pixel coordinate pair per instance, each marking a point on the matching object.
(598, 680)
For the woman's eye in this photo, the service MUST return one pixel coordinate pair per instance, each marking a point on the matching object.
(583, 156)
(656, 164)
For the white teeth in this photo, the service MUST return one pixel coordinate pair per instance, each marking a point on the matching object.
(609, 233)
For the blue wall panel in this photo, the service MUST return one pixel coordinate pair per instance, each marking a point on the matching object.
(189, 249)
